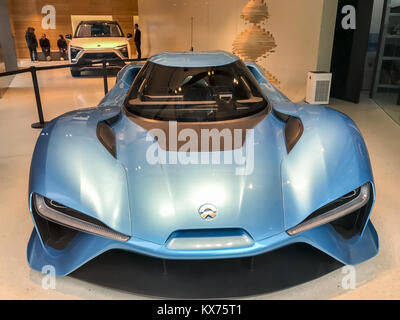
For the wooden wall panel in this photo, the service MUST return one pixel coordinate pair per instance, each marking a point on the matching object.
(24, 14)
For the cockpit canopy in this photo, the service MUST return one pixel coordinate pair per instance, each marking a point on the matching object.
(195, 94)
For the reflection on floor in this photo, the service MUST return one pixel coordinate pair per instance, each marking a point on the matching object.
(388, 102)
(376, 278)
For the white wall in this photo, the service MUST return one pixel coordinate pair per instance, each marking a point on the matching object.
(295, 24)
(165, 24)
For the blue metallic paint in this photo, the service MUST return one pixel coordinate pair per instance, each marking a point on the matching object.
(164, 199)
(151, 202)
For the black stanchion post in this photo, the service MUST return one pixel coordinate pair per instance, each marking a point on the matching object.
(105, 77)
(41, 123)
(33, 70)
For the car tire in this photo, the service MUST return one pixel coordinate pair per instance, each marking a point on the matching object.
(75, 72)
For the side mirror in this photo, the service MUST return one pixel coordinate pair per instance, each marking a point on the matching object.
(68, 36)
(129, 35)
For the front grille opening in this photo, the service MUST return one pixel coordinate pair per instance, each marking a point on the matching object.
(100, 55)
(353, 224)
(53, 235)
(112, 59)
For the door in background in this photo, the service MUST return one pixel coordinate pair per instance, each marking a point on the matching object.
(349, 51)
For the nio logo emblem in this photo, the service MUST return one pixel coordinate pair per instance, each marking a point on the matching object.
(208, 211)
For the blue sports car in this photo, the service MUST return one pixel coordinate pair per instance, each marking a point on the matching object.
(195, 155)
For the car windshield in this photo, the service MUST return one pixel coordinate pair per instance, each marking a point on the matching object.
(195, 94)
(98, 29)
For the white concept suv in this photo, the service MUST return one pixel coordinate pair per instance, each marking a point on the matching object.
(97, 40)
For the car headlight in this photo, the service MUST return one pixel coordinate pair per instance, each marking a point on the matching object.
(338, 209)
(123, 50)
(74, 52)
(67, 217)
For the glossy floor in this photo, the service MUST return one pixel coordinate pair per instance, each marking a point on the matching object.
(388, 102)
(378, 278)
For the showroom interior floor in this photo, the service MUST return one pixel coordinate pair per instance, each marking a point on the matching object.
(388, 102)
(377, 278)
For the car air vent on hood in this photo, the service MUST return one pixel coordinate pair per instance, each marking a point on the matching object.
(293, 132)
(106, 135)
(293, 129)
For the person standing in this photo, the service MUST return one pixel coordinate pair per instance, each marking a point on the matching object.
(137, 40)
(63, 47)
(32, 43)
(45, 45)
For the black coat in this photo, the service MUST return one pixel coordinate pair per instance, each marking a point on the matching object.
(44, 43)
(137, 36)
(31, 40)
(62, 44)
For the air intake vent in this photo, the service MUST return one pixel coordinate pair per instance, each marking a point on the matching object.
(106, 135)
(293, 132)
(322, 90)
(318, 87)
